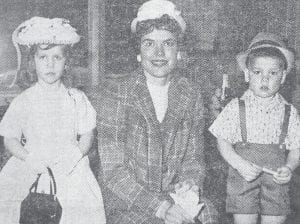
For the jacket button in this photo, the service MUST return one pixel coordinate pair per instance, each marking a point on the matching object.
(164, 169)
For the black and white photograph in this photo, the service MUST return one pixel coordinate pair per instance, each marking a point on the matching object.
(149, 111)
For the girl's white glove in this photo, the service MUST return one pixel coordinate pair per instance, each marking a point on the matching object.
(66, 163)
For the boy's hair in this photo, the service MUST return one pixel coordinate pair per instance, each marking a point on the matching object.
(271, 52)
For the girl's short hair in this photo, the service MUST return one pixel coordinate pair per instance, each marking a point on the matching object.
(271, 52)
(33, 49)
(27, 75)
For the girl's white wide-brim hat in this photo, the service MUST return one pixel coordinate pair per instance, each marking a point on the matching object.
(264, 39)
(41, 30)
(154, 9)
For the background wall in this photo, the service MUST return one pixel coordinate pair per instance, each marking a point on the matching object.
(217, 29)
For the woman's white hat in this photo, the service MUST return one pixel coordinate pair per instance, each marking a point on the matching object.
(154, 9)
(264, 39)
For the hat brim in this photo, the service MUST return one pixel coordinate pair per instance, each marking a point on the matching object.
(242, 57)
(178, 19)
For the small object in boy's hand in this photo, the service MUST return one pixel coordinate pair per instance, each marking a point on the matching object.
(265, 169)
(269, 171)
(257, 167)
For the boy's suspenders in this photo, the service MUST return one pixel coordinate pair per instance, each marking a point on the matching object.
(242, 110)
(284, 127)
(285, 124)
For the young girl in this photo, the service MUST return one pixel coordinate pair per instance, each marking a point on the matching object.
(253, 132)
(50, 117)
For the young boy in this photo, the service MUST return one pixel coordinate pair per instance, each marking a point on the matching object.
(259, 136)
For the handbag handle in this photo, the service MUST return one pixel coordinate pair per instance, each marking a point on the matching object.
(35, 184)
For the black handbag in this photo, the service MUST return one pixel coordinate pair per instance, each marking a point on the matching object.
(41, 208)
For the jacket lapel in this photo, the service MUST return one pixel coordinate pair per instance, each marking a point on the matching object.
(143, 102)
(179, 101)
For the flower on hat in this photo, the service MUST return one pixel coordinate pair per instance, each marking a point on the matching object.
(154, 9)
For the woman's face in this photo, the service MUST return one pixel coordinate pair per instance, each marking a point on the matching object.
(159, 53)
(50, 64)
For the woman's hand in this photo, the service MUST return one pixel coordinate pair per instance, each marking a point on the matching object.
(183, 187)
(283, 175)
(186, 196)
(176, 215)
(173, 214)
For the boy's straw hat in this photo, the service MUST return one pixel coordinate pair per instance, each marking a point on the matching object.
(154, 9)
(266, 40)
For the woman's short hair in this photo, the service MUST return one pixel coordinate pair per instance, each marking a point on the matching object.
(164, 22)
(271, 52)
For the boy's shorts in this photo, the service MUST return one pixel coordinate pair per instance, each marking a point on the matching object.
(295, 190)
(261, 196)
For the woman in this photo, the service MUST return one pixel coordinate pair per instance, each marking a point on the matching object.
(150, 128)
(57, 124)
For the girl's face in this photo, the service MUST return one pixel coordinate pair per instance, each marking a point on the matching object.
(50, 64)
(159, 53)
(265, 76)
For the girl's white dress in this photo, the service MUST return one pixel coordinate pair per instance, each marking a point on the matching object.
(50, 122)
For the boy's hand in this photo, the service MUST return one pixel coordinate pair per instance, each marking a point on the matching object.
(283, 175)
(249, 171)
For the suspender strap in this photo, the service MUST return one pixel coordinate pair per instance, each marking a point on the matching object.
(242, 113)
(285, 124)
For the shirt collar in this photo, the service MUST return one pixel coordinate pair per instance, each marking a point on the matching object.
(264, 104)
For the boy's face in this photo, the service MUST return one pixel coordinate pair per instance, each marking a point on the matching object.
(265, 75)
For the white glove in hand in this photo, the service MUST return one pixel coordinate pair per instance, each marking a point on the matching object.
(187, 197)
(161, 211)
(67, 162)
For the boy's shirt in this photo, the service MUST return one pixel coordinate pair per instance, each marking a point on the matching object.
(264, 117)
